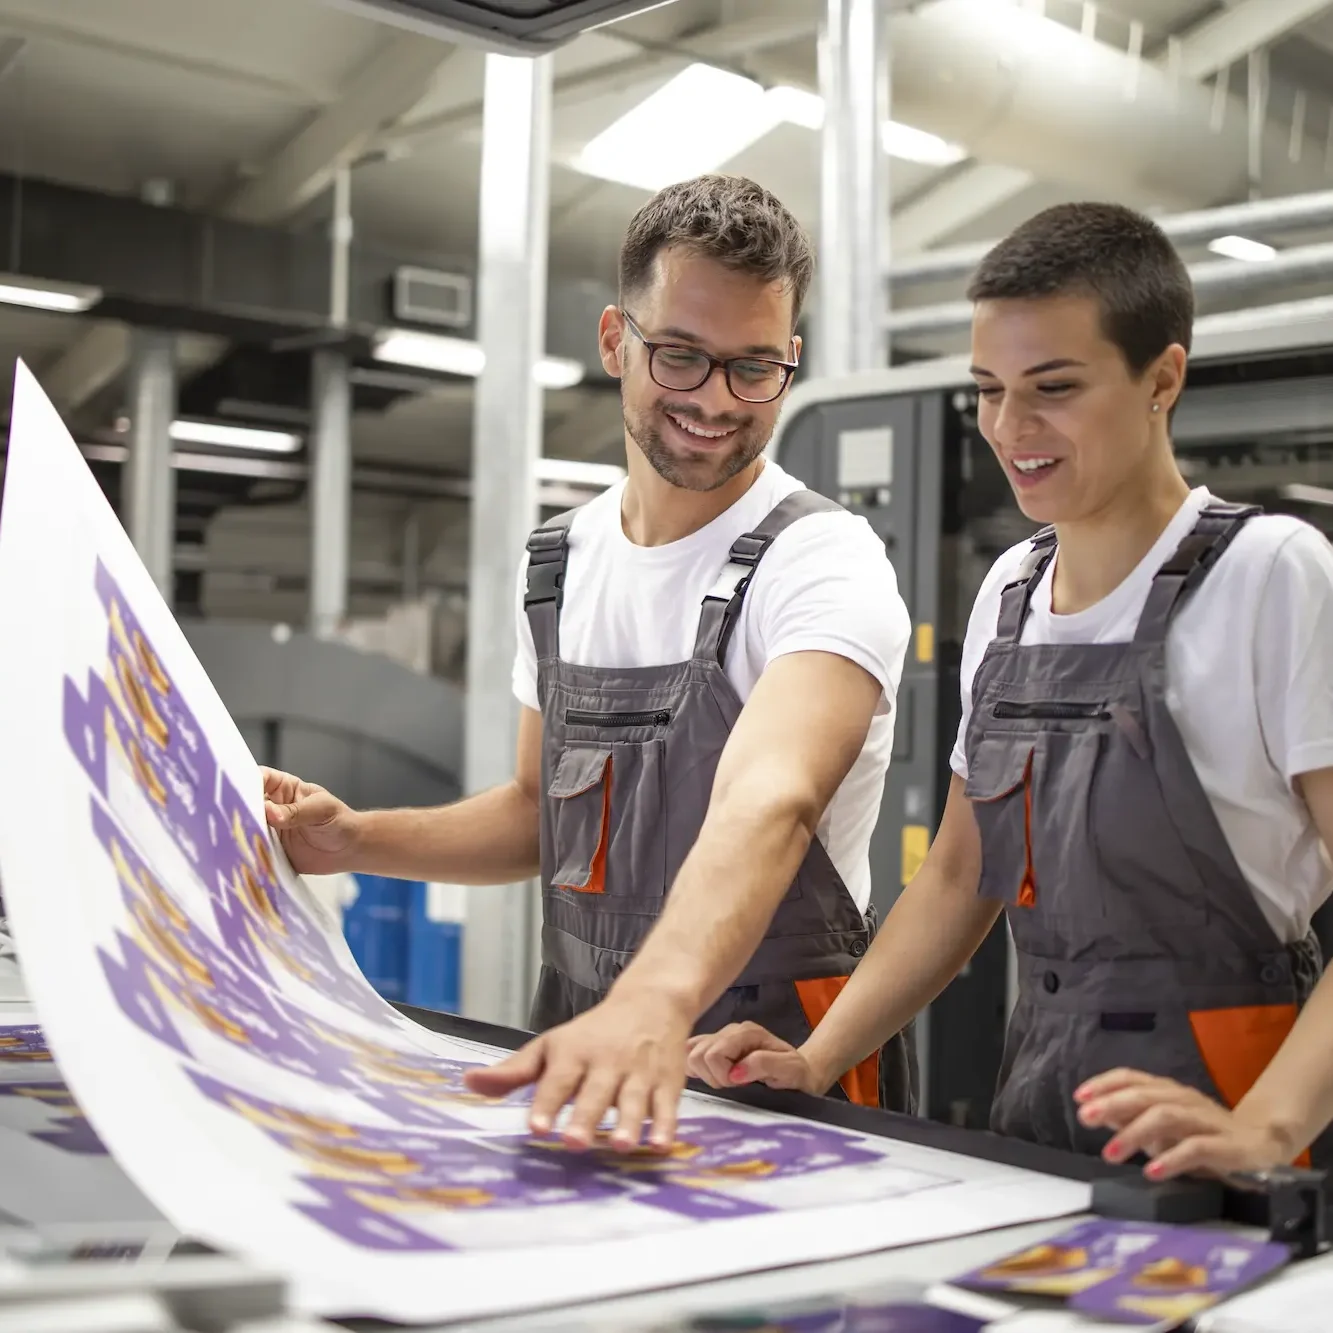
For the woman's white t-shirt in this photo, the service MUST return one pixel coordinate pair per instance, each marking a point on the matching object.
(825, 585)
(1250, 685)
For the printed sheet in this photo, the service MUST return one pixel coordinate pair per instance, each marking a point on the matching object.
(211, 1022)
(56, 1176)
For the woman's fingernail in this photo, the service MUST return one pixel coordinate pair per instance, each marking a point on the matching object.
(1155, 1170)
(1114, 1151)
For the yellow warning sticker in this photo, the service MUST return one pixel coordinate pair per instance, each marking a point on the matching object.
(916, 843)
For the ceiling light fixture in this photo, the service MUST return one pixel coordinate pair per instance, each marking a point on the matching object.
(697, 120)
(572, 472)
(1241, 247)
(459, 356)
(705, 116)
(38, 294)
(235, 437)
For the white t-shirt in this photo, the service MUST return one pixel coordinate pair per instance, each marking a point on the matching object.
(825, 585)
(1249, 684)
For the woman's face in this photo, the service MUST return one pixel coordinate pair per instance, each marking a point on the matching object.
(1072, 427)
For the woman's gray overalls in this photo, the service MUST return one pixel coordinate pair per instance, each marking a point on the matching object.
(1139, 941)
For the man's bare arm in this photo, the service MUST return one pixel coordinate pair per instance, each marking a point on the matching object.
(490, 838)
(795, 741)
(936, 925)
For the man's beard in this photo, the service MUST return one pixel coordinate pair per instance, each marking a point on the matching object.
(708, 471)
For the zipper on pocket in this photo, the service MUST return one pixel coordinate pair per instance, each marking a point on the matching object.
(1061, 712)
(657, 718)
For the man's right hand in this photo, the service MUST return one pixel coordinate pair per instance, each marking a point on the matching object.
(746, 1053)
(318, 832)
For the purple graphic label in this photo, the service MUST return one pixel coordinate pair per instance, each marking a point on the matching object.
(71, 1133)
(371, 1182)
(23, 1045)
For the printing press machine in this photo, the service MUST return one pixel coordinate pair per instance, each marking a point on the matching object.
(104, 1279)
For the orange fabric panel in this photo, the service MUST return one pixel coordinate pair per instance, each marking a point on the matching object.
(861, 1084)
(597, 879)
(1027, 890)
(1237, 1045)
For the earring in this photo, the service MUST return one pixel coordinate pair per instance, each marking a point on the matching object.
(1157, 407)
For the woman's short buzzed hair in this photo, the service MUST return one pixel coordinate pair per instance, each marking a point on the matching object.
(1121, 257)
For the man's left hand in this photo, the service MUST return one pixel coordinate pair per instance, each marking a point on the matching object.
(627, 1053)
(1179, 1129)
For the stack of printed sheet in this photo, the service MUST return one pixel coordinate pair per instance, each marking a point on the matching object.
(213, 1034)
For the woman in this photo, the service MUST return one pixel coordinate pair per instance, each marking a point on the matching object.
(1144, 769)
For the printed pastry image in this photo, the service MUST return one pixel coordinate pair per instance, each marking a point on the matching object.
(1171, 1274)
(1040, 1260)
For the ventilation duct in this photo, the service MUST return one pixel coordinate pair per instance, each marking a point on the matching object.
(1025, 91)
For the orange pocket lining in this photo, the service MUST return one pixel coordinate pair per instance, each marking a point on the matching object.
(1027, 890)
(597, 873)
(861, 1084)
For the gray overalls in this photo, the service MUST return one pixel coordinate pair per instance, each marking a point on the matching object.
(628, 758)
(1140, 943)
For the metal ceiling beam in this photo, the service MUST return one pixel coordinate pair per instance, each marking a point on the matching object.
(385, 88)
(719, 45)
(393, 81)
(964, 195)
(1249, 25)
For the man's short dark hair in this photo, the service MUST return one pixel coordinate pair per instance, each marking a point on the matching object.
(725, 218)
(1119, 256)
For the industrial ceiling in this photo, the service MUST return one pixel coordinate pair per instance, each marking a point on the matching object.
(234, 119)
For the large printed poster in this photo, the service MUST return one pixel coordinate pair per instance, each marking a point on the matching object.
(212, 1026)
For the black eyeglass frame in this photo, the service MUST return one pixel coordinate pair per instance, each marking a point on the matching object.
(788, 368)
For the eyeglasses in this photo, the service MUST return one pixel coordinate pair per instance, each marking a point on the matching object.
(749, 378)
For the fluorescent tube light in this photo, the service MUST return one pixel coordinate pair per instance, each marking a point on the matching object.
(234, 437)
(913, 145)
(571, 472)
(38, 294)
(796, 106)
(430, 351)
(1241, 247)
(558, 372)
(701, 118)
(459, 356)
(1305, 494)
(799, 107)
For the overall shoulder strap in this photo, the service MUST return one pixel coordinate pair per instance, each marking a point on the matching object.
(548, 555)
(1017, 595)
(723, 601)
(1181, 575)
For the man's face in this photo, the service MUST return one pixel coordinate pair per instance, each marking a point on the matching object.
(698, 439)
(1069, 422)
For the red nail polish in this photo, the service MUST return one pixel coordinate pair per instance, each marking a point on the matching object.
(1154, 1171)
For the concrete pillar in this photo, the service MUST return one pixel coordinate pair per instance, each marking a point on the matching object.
(149, 500)
(498, 964)
(854, 205)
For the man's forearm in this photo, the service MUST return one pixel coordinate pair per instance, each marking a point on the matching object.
(490, 838)
(721, 903)
(1294, 1096)
(932, 931)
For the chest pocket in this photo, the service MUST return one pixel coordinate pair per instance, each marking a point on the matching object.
(608, 822)
(1031, 794)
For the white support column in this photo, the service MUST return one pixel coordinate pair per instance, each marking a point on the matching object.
(149, 501)
(498, 966)
(330, 491)
(854, 204)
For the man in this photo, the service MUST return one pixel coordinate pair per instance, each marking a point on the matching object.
(708, 661)
(1144, 770)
